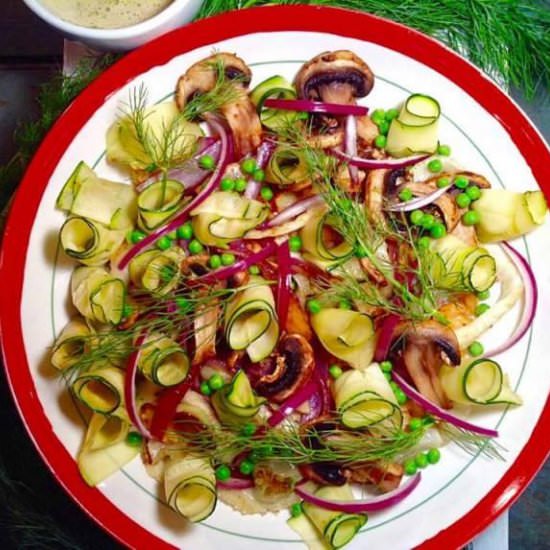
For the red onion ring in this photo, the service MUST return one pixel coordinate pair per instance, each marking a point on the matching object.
(438, 411)
(235, 483)
(294, 401)
(130, 388)
(419, 202)
(385, 337)
(370, 504)
(372, 164)
(284, 283)
(295, 209)
(265, 150)
(530, 300)
(196, 201)
(305, 105)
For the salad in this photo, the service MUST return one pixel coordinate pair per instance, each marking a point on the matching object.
(284, 302)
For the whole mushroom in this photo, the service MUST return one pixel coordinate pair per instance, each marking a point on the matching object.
(239, 111)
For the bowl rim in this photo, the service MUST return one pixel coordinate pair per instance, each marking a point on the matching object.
(158, 20)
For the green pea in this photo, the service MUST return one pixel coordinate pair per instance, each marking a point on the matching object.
(410, 467)
(195, 247)
(134, 439)
(461, 182)
(391, 114)
(394, 386)
(438, 230)
(248, 165)
(296, 509)
(183, 304)
(223, 472)
(215, 261)
(249, 429)
(421, 460)
(360, 251)
(378, 115)
(444, 150)
(228, 258)
(481, 309)
(227, 184)
(216, 382)
(383, 126)
(295, 243)
(443, 182)
(386, 366)
(240, 185)
(416, 216)
(205, 388)
(247, 467)
(135, 236)
(387, 375)
(471, 218)
(415, 424)
(207, 162)
(406, 195)
(428, 420)
(484, 295)
(423, 243)
(185, 231)
(335, 371)
(258, 175)
(344, 304)
(380, 141)
(435, 165)
(254, 270)
(474, 192)
(164, 243)
(314, 306)
(433, 456)
(463, 200)
(266, 193)
(401, 396)
(476, 349)
(427, 221)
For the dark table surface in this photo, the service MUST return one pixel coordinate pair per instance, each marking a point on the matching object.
(34, 510)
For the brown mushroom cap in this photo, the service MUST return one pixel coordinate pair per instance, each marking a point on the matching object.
(340, 75)
(202, 76)
(293, 367)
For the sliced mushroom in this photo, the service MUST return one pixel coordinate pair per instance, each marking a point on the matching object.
(205, 334)
(386, 477)
(374, 195)
(422, 348)
(291, 367)
(240, 112)
(337, 77)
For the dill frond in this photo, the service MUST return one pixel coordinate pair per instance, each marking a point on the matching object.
(472, 443)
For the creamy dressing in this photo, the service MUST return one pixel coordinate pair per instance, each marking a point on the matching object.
(105, 14)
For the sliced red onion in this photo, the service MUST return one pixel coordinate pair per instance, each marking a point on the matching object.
(284, 283)
(226, 272)
(419, 202)
(385, 337)
(295, 209)
(130, 389)
(427, 405)
(371, 504)
(305, 105)
(265, 150)
(235, 483)
(315, 406)
(350, 142)
(373, 164)
(294, 401)
(191, 205)
(530, 299)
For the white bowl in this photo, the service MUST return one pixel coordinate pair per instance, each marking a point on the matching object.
(176, 14)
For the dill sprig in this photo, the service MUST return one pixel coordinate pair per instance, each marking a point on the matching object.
(508, 39)
(473, 443)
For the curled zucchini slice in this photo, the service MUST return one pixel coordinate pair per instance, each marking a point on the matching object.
(314, 540)
(348, 335)
(275, 87)
(251, 321)
(225, 216)
(454, 265)
(337, 528)
(104, 450)
(108, 202)
(287, 166)
(190, 487)
(314, 242)
(365, 398)
(97, 295)
(163, 361)
(481, 382)
(237, 402)
(102, 389)
(158, 202)
(71, 344)
(157, 271)
(415, 129)
(89, 242)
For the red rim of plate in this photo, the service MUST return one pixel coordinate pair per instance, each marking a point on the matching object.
(265, 19)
